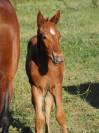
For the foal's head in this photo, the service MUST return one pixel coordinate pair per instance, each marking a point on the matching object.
(48, 37)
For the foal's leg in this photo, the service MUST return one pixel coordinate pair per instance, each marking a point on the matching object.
(48, 106)
(37, 98)
(59, 113)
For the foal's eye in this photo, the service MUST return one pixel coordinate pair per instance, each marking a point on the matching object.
(43, 36)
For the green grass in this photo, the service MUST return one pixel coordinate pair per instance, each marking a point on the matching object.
(79, 27)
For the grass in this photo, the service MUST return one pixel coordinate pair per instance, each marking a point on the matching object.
(79, 27)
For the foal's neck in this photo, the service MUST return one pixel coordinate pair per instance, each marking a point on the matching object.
(42, 53)
(42, 58)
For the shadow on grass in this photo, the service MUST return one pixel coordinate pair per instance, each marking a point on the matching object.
(87, 91)
(19, 125)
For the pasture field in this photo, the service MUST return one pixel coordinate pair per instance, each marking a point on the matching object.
(79, 27)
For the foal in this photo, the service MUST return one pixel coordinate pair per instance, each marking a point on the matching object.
(45, 68)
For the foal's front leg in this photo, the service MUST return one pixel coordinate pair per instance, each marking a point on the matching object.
(37, 98)
(59, 113)
(48, 106)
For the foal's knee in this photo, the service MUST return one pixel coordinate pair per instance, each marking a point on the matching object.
(39, 123)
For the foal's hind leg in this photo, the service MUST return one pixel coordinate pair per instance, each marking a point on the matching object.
(48, 106)
(59, 113)
(37, 98)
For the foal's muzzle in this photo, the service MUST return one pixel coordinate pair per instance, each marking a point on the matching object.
(57, 59)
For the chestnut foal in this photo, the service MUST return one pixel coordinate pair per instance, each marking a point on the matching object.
(9, 56)
(45, 68)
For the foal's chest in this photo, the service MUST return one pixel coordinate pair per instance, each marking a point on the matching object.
(46, 77)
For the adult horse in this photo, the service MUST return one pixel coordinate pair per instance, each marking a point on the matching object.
(45, 68)
(9, 56)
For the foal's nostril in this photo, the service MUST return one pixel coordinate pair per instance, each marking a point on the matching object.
(56, 58)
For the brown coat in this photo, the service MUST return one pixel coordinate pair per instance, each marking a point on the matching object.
(9, 56)
(45, 68)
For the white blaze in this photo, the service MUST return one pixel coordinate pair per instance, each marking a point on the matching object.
(52, 31)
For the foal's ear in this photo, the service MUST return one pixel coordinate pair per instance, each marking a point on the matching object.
(56, 17)
(40, 19)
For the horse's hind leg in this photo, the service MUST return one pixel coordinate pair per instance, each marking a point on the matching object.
(5, 97)
(4, 121)
(48, 105)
